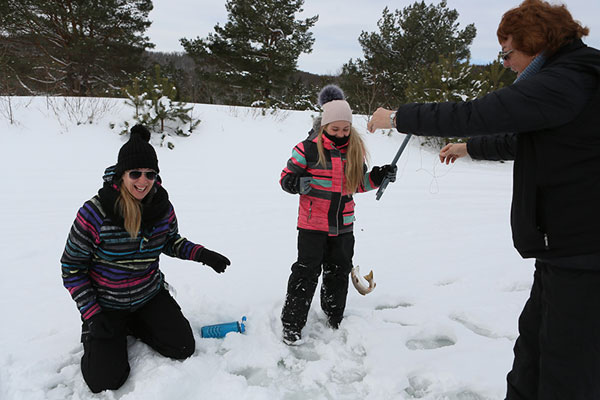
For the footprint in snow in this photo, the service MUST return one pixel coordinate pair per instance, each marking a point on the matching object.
(419, 387)
(430, 343)
(477, 328)
(393, 306)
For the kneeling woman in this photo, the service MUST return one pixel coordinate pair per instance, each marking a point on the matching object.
(110, 267)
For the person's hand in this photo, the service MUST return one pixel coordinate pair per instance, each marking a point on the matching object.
(453, 151)
(214, 260)
(100, 326)
(290, 183)
(378, 174)
(294, 184)
(380, 120)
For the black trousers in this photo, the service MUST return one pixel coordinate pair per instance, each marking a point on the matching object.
(317, 251)
(557, 353)
(159, 323)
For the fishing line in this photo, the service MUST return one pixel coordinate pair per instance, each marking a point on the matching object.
(434, 187)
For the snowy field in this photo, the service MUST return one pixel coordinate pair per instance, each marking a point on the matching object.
(441, 323)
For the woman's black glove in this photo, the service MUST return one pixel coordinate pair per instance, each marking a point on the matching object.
(100, 327)
(387, 171)
(213, 259)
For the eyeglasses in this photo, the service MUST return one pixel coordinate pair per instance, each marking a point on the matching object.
(150, 175)
(505, 55)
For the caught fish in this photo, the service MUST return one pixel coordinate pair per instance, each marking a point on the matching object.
(358, 283)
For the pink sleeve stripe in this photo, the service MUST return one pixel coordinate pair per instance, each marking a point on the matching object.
(171, 216)
(88, 228)
(76, 288)
(91, 311)
(196, 249)
(298, 163)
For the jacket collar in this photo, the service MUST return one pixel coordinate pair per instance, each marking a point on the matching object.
(576, 44)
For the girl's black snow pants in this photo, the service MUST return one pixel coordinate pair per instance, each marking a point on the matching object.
(557, 353)
(159, 323)
(316, 251)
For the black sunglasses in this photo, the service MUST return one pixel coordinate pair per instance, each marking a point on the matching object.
(505, 54)
(150, 175)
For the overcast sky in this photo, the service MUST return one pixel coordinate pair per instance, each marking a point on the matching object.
(341, 22)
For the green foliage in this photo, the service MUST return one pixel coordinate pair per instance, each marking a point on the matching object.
(446, 80)
(76, 47)
(407, 41)
(493, 77)
(152, 97)
(252, 57)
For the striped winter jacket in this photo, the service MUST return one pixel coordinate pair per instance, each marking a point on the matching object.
(328, 207)
(103, 267)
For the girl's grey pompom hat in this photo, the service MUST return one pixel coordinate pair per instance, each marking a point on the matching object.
(335, 107)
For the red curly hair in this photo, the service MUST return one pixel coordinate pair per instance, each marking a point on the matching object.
(536, 26)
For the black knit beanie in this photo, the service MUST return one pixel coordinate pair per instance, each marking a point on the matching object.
(137, 152)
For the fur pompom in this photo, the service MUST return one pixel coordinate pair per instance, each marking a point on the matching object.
(329, 93)
(140, 131)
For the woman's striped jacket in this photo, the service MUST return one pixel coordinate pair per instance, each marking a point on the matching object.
(103, 267)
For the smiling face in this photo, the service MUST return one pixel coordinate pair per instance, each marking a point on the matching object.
(140, 187)
(339, 128)
(516, 60)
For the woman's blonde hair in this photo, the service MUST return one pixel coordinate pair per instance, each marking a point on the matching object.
(356, 155)
(130, 209)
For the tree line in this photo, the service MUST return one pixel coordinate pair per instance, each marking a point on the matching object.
(100, 48)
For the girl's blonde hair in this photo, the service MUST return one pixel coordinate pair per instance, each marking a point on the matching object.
(131, 209)
(356, 155)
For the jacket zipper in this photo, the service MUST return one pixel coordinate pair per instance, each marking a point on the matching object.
(337, 214)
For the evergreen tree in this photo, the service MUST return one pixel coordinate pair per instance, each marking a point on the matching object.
(253, 56)
(446, 80)
(364, 92)
(407, 41)
(153, 98)
(78, 47)
(493, 76)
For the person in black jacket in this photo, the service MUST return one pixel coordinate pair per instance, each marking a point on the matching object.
(555, 217)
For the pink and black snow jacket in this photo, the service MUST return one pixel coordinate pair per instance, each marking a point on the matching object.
(103, 267)
(327, 207)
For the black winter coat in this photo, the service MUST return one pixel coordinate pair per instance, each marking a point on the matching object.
(501, 147)
(556, 177)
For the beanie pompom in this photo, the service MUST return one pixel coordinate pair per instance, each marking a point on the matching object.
(329, 93)
(141, 132)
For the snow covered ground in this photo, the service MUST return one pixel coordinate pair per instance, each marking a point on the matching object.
(440, 324)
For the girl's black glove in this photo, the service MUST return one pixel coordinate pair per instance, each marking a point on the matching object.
(213, 259)
(294, 183)
(387, 171)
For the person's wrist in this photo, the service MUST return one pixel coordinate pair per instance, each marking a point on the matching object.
(393, 119)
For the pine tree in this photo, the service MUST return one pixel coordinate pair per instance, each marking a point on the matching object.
(78, 47)
(153, 98)
(446, 80)
(407, 41)
(255, 53)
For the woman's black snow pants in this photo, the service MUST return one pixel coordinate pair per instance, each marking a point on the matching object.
(557, 353)
(159, 323)
(316, 251)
